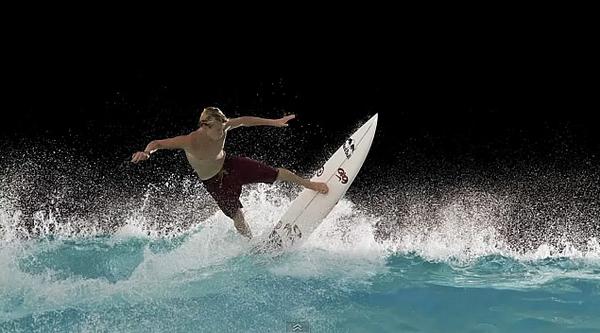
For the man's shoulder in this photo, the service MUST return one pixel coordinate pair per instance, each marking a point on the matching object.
(195, 138)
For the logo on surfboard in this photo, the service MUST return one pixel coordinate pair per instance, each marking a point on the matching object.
(289, 231)
(342, 176)
(348, 147)
(292, 232)
(320, 171)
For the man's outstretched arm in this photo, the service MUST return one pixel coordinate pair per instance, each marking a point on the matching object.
(257, 121)
(178, 142)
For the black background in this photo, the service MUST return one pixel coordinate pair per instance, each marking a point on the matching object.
(499, 100)
(476, 91)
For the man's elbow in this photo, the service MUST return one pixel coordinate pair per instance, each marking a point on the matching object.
(238, 122)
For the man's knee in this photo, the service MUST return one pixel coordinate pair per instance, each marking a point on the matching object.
(283, 174)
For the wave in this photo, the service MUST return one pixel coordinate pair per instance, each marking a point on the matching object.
(70, 267)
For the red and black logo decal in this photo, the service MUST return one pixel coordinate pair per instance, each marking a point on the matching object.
(342, 176)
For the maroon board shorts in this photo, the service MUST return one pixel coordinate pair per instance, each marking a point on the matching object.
(226, 186)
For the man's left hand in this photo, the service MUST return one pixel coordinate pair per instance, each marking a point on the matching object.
(282, 122)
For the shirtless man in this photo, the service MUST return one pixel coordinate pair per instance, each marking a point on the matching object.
(221, 174)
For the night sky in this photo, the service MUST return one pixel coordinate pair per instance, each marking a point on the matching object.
(497, 105)
(455, 96)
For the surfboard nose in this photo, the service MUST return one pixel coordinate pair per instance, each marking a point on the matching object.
(374, 118)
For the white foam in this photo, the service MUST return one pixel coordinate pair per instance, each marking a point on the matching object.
(343, 247)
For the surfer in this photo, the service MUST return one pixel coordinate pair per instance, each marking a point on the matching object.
(221, 174)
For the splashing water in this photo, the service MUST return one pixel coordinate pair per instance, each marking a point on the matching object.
(168, 261)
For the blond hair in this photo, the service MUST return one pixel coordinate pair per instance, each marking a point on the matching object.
(215, 113)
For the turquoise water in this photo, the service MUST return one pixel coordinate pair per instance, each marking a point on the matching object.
(458, 277)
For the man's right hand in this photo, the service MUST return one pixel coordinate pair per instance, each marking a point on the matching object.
(139, 156)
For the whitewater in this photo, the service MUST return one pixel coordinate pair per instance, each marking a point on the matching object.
(166, 260)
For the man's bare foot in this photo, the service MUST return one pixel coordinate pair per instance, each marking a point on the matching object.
(319, 187)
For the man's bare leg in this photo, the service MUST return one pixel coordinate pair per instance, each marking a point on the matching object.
(240, 224)
(288, 176)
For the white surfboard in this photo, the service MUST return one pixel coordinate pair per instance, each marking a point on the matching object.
(310, 208)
